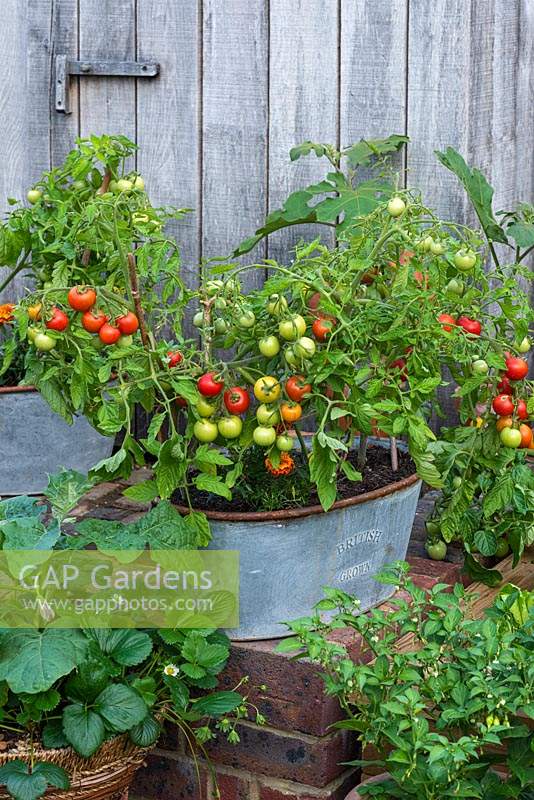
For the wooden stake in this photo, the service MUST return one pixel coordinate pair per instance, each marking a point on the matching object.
(394, 454)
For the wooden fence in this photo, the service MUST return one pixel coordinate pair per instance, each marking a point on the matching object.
(242, 81)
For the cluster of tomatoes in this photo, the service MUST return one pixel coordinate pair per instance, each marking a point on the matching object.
(279, 408)
(512, 411)
(81, 299)
(471, 326)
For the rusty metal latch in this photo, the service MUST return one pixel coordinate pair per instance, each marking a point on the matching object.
(65, 68)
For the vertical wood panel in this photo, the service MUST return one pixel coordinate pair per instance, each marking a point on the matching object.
(64, 128)
(303, 100)
(373, 50)
(168, 109)
(25, 65)
(234, 114)
(107, 30)
(438, 97)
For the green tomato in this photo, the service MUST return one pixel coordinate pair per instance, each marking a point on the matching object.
(525, 345)
(125, 341)
(269, 346)
(220, 303)
(232, 286)
(284, 442)
(437, 248)
(277, 305)
(290, 357)
(291, 329)
(480, 367)
(264, 437)
(503, 548)
(247, 319)
(124, 185)
(213, 287)
(80, 185)
(33, 196)
(437, 550)
(432, 527)
(220, 326)
(396, 206)
(32, 332)
(205, 431)
(510, 437)
(305, 347)
(205, 409)
(465, 260)
(455, 286)
(426, 243)
(198, 319)
(112, 186)
(44, 342)
(139, 183)
(230, 427)
(267, 415)
(457, 481)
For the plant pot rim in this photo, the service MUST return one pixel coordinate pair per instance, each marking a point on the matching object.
(306, 511)
(16, 389)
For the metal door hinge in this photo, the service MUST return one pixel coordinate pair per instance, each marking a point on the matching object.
(65, 68)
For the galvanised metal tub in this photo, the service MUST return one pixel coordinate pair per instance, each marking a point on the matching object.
(35, 441)
(286, 557)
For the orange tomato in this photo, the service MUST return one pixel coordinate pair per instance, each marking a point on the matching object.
(291, 412)
(503, 422)
(526, 435)
(34, 312)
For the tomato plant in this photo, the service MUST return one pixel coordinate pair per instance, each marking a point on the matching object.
(237, 400)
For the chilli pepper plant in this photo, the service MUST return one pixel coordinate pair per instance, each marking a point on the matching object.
(80, 687)
(440, 701)
(345, 341)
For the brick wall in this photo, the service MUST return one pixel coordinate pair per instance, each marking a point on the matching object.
(296, 756)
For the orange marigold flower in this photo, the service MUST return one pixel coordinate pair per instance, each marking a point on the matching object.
(6, 313)
(286, 465)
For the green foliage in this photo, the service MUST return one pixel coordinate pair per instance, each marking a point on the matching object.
(438, 710)
(81, 687)
(347, 200)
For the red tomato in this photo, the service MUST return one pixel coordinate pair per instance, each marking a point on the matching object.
(471, 326)
(522, 412)
(236, 400)
(526, 435)
(181, 402)
(109, 334)
(59, 320)
(505, 386)
(400, 364)
(296, 388)
(423, 279)
(128, 323)
(322, 328)
(447, 322)
(81, 298)
(503, 405)
(208, 386)
(516, 368)
(92, 321)
(313, 302)
(175, 358)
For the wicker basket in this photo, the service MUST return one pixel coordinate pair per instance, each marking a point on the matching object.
(105, 776)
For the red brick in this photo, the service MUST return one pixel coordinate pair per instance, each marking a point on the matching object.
(168, 778)
(313, 760)
(231, 787)
(294, 700)
(443, 571)
(285, 790)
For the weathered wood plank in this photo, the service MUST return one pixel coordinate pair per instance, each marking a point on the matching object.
(303, 102)
(373, 58)
(234, 125)
(64, 128)
(25, 62)
(107, 30)
(439, 92)
(168, 110)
